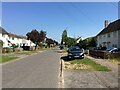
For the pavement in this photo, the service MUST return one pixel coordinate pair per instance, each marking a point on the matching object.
(92, 79)
(35, 71)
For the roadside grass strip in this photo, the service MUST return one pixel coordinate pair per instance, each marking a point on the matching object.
(7, 58)
(114, 60)
(26, 52)
(85, 64)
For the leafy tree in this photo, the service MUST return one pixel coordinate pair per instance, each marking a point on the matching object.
(36, 37)
(88, 42)
(14, 46)
(49, 41)
(55, 42)
(64, 37)
(42, 35)
(70, 41)
(91, 42)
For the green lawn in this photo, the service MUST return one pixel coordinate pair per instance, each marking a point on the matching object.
(92, 64)
(7, 58)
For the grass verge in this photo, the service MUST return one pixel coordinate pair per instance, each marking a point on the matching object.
(26, 52)
(7, 58)
(89, 64)
(114, 60)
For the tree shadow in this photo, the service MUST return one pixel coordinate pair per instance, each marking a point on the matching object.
(66, 58)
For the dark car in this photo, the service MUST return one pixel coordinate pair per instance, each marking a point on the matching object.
(75, 52)
(61, 47)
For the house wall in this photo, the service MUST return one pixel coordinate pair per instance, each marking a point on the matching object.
(5, 39)
(107, 41)
(119, 39)
(14, 40)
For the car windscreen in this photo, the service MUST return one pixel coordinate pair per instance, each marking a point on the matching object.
(75, 49)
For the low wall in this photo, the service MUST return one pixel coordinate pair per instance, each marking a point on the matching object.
(103, 54)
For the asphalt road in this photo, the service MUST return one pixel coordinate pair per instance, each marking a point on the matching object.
(36, 71)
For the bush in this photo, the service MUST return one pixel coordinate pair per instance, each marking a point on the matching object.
(7, 50)
(111, 56)
(1, 44)
(28, 48)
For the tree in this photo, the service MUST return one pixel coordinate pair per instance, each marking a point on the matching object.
(70, 41)
(49, 41)
(42, 35)
(64, 37)
(1, 43)
(36, 37)
(91, 42)
(14, 46)
(88, 42)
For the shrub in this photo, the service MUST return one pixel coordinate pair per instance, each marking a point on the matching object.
(7, 50)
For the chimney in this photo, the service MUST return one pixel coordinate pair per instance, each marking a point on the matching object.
(106, 23)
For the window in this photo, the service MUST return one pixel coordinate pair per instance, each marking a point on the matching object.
(99, 37)
(108, 35)
(104, 36)
(3, 35)
(12, 38)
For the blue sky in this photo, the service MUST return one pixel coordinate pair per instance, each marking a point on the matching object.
(80, 19)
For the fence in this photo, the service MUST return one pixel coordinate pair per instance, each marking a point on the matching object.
(103, 54)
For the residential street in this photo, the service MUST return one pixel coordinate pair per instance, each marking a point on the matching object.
(37, 71)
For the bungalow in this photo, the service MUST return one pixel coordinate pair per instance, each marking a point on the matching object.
(109, 37)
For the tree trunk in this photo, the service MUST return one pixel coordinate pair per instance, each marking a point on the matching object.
(36, 46)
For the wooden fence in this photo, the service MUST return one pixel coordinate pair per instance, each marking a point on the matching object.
(103, 54)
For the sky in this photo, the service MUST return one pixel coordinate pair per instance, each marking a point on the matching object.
(84, 19)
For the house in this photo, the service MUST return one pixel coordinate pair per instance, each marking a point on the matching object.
(4, 37)
(78, 39)
(9, 39)
(109, 37)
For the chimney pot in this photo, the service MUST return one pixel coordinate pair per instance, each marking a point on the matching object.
(106, 23)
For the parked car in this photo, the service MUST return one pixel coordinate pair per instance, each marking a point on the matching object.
(75, 52)
(61, 47)
(113, 50)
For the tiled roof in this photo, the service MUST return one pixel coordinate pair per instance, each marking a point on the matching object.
(114, 26)
(17, 36)
(3, 31)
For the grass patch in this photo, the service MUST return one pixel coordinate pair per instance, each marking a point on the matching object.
(30, 52)
(92, 64)
(7, 58)
(114, 61)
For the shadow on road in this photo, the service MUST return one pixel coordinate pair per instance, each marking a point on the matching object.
(66, 58)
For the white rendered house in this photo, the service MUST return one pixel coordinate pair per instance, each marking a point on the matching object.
(110, 35)
(9, 39)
